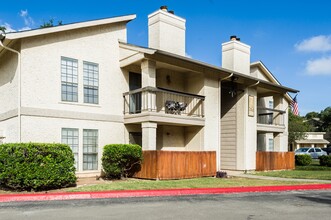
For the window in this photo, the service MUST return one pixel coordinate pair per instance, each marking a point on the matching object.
(70, 136)
(271, 104)
(69, 79)
(90, 149)
(271, 144)
(91, 83)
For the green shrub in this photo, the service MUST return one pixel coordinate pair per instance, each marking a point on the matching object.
(325, 160)
(36, 166)
(303, 160)
(121, 160)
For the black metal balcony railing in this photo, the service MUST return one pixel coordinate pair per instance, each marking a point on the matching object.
(150, 99)
(270, 116)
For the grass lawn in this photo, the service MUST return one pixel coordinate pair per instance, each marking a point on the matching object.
(207, 182)
(313, 171)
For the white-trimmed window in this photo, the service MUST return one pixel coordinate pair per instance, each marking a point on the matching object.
(70, 136)
(271, 144)
(90, 149)
(69, 79)
(271, 104)
(91, 82)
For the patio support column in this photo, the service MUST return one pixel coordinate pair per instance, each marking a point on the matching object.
(246, 125)
(278, 104)
(149, 135)
(277, 142)
(280, 139)
(148, 79)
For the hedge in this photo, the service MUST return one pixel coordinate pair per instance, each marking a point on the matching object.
(325, 160)
(36, 166)
(303, 160)
(121, 160)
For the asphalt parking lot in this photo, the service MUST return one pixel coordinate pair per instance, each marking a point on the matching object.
(281, 205)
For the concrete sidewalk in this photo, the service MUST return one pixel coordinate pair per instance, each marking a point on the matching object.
(252, 176)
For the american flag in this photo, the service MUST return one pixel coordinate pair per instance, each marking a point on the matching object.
(295, 107)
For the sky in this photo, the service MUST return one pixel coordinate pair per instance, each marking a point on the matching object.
(292, 38)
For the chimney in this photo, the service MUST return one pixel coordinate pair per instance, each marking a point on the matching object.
(236, 56)
(166, 31)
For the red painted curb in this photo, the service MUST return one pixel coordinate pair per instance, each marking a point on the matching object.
(150, 193)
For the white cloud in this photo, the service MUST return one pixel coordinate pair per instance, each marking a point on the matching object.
(28, 21)
(320, 66)
(24, 29)
(8, 28)
(321, 43)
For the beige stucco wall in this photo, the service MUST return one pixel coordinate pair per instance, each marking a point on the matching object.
(170, 79)
(246, 133)
(256, 72)
(188, 82)
(34, 131)
(180, 138)
(9, 129)
(8, 81)
(9, 69)
(43, 112)
(41, 73)
(170, 138)
(166, 32)
(212, 116)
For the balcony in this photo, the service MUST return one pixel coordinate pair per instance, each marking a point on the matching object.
(270, 120)
(163, 105)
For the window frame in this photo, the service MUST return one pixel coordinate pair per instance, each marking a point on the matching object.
(76, 154)
(67, 83)
(93, 98)
(271, 144)
(85, 150)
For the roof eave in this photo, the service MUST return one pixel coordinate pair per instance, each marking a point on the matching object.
(199, 66)
(67, 27)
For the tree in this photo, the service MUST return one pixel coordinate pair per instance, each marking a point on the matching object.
(3, 28)
(311, 115)
(319, 121)
(314, 121)
(50, 23)
(296, 128)
(326, 119)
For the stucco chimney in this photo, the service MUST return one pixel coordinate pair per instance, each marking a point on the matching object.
(166, 31)
(236, 56)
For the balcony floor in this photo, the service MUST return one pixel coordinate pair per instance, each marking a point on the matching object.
(163, 118)
(266, 128)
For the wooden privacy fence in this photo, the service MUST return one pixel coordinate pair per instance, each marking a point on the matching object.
(274, 161)
(164, 165)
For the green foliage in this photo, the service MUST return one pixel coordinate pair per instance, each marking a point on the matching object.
(3, 28)
(50, 23)
(296, 128)
(326, 119)
(36, 166)
(325, 160)
(303, 160)
(320, 121)
(121, 160)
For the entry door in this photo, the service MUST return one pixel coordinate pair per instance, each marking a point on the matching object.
(135, 99)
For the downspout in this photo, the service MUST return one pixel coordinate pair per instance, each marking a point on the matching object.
(227, 77)
(19, 86)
